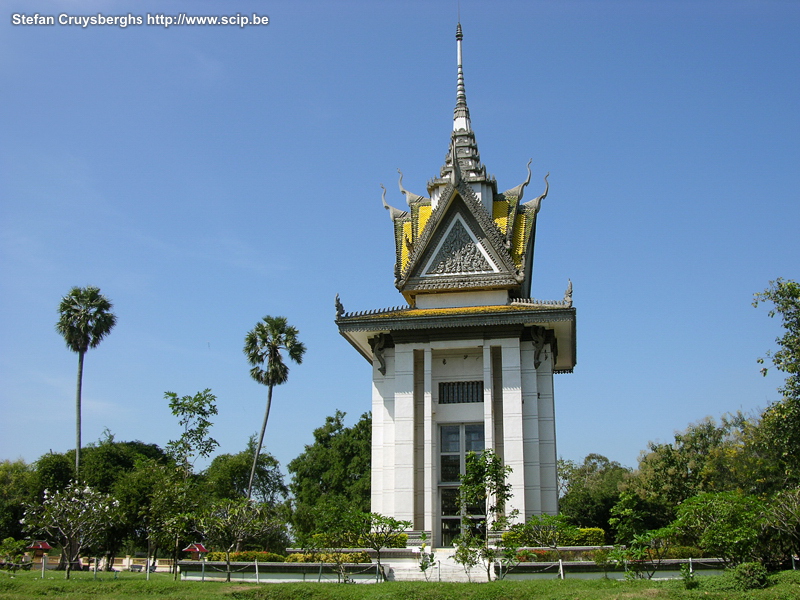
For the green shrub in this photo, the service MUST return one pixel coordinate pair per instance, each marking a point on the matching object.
(248, 556)
(750, 576)
(329, 557)
(587, 536)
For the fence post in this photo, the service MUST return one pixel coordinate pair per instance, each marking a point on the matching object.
(256, 561)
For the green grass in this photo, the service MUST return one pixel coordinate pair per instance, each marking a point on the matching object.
(133, 586)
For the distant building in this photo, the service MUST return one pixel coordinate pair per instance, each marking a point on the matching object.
(469, 363)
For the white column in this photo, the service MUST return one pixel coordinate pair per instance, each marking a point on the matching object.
(488, 405)
(431, 488)
(512, 423)
(378, 410)
(404, 433)
(383, 445)
(530, 430)
(547, 433)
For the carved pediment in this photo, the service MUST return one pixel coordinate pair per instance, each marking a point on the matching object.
(459, 252)
(461, 249)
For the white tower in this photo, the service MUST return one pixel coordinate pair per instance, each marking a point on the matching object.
(469, 363)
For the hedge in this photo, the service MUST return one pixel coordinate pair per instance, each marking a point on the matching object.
(247, 556)
(588, 536)
(329, 557)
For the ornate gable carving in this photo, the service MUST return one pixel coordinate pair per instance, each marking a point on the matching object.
(459, 253)
(461, 248)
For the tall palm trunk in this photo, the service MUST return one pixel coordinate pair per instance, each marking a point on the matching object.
(260, 442)
(78, 416)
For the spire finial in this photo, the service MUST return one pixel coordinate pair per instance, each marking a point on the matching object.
(461, 113)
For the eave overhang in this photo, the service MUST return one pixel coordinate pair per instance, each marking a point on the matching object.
(483, 322)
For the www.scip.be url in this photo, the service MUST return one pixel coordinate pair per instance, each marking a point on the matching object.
(122, 21)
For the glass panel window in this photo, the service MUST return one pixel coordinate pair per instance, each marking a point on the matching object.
(450, 529)
(451, 467)
(456, 442)
(451, 438)
(450, 501)
(473, 438)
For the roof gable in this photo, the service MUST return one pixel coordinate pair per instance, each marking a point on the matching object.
(460, 249)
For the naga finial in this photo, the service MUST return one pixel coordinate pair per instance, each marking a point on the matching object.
(519, 190)
(455, 178)
(394, 213)
(339, 307)
(410, 196)
(568, 293)
(536, 203)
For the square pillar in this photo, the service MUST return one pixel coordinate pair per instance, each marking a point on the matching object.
(513, 443)
(404, 433)
(430, 445)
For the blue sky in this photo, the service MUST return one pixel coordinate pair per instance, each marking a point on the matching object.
(204, 177)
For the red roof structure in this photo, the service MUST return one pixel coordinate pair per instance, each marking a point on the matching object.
(195, 547)
(40, 545)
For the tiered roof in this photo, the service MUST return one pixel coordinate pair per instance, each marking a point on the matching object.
(465, 235)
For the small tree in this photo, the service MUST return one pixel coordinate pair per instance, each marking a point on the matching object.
(228, 523)
(194, 413)
(380, 532)
(484, 489)
(11, 551)
(337, 527)
(75, 518)
(644, 553)
(545, 531)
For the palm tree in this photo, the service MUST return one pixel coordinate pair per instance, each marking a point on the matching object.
(263, 346)
(85, 319)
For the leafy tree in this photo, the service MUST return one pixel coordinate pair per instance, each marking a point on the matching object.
(107, 460)
(336, 465)
(227, 523)
(725, 524)
(485, 491)
(781, 421)
(633, 515)
(134, 490)
(644, 553)
(11, 550)
(669, 473)
(75, 518)
(545, 531)
(54, 472)
(336, 525)
(784, 516)
(85, 318)
(16, 488)
(591, 492)
(193, 414)
(172, 512)
(228, 476)
(379, 531)
(264, 346)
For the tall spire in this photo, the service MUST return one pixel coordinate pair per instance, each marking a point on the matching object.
(463, 162)
(461, 112)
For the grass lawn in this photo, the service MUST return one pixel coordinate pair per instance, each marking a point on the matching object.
(133, 586)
